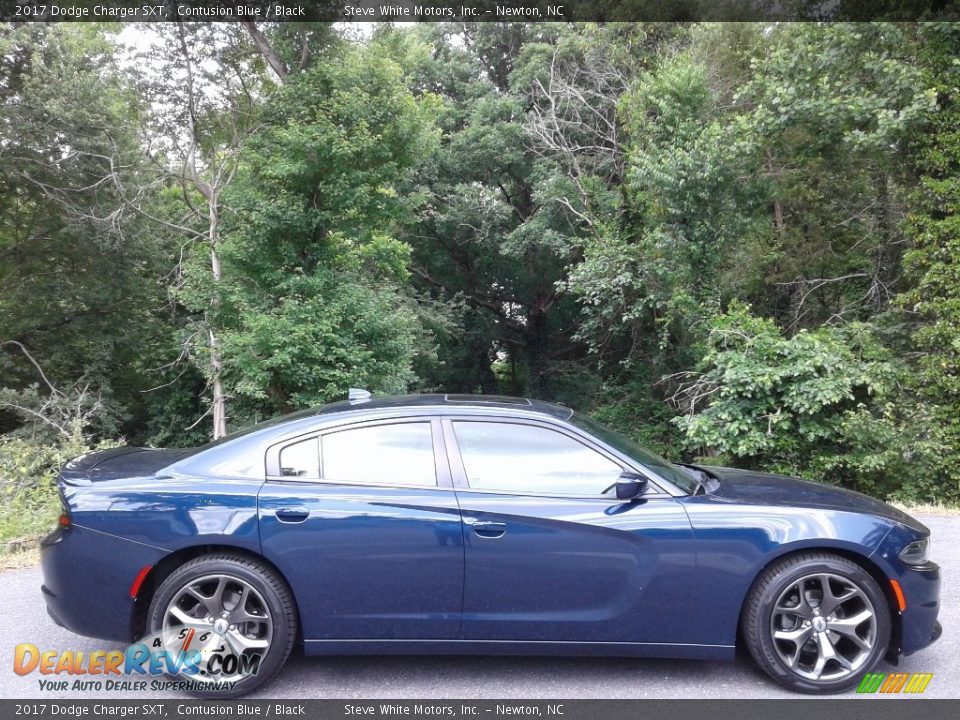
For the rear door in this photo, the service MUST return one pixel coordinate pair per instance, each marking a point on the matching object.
(549, 556)
(363, 522)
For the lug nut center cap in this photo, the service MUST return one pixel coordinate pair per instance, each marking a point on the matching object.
(220, 626)
(819, 624)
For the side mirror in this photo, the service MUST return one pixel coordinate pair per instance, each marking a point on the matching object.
(629, 485)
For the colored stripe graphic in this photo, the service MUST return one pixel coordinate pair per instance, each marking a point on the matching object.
(870, 682)
(901, 679)
(894, 683)
(927, 677)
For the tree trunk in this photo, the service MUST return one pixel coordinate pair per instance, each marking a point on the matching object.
(219, 401)
(537, 352)
(778, 222)
(216, 363)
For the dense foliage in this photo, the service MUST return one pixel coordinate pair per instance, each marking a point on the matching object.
(737, 243)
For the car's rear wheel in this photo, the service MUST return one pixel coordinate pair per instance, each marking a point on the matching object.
(816, 622)
(228, 619)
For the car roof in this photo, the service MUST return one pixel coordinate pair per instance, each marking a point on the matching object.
(450, 402)
(241, 454)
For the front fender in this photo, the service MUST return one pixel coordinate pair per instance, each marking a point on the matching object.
(735, 542)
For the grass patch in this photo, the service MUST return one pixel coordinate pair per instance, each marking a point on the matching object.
(17, 523)
(19, 560)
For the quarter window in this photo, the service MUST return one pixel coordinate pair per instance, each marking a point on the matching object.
(301, 460)
(400, 454)
(531, 459)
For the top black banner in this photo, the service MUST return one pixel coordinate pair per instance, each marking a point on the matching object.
(476, 10)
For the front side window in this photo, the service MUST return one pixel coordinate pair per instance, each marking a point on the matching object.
(400, 454)
(531, 459)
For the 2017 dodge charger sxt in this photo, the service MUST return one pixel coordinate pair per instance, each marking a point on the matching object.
(471, 524)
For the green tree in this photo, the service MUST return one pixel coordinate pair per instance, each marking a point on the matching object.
(933, 259)
(311, 298)
(826, 114)
(651, 271)
(82, 277)
(487, 239)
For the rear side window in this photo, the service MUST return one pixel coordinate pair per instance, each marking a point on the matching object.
(531, 459)
(400, 454)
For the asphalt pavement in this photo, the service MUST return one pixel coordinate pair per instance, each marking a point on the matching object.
(23, 619)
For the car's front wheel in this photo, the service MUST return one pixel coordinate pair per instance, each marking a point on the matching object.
(816, 622)
(226, 622)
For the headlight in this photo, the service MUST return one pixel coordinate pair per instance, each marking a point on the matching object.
(916, 552)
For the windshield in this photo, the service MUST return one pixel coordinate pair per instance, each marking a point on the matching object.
(628, 447)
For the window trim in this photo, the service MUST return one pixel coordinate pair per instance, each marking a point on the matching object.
(440, 461)
(459, 473)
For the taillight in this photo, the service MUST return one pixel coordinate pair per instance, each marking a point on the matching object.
(64, 521)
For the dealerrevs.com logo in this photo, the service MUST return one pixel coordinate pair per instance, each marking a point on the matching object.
(198, 661)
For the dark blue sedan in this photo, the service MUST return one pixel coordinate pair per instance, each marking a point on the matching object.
(470, 524)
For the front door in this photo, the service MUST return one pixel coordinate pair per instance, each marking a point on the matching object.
(363, 523)
(549, 555)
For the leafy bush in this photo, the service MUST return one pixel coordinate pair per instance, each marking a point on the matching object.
(28, 491)
(55, 426)
(828, 403)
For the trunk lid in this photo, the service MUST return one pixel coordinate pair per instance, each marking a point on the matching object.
(118, 463)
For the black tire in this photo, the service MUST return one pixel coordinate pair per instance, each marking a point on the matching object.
(784, 581)
(273, 592)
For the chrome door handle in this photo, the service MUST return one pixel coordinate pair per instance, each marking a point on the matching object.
(292, 515)
(488, 529)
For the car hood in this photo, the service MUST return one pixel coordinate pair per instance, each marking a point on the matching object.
(747, 486)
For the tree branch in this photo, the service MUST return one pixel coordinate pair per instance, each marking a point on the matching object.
(269, 54)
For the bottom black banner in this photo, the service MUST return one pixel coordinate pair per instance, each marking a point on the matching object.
(862, 708)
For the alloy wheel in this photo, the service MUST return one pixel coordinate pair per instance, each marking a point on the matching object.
(220, 614)
(823, 627)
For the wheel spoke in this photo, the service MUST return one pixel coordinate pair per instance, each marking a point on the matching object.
(802, 609)
(231, 643)
(204, 600)
(825, 653)
(848, 627)
(239, 612)
(242, 600)
(240, 615)
(186, 619)
(840, 658)
(830, 601)
(798, 637)
(216, 600)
